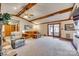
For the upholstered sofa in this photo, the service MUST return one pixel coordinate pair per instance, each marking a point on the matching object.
(17, 40)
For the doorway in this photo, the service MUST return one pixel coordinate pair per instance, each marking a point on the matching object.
(54, 30)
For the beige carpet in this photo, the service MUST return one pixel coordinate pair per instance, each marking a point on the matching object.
(46, 46)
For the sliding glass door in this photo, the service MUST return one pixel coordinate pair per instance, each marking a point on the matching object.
(54, 30)
(50, 30)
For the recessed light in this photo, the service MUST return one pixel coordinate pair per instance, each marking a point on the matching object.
(14, 8)
(25, 17)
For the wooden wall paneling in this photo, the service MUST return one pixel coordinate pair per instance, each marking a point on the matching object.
(10, 28)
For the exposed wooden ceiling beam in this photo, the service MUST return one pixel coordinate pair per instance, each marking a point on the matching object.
(55, 21)
(60, 20)
(28, 6)
(55, 13)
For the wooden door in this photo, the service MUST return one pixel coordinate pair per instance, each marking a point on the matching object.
(8, 29)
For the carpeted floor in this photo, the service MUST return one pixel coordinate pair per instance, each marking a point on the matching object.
(46, 46)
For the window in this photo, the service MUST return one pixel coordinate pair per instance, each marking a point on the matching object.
(54, 29)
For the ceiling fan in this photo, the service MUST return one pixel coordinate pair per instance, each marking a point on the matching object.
(28, 15)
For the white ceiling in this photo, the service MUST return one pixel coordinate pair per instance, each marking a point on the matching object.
(38, 10)
(12, 8)
(54, 18)
(42, 9)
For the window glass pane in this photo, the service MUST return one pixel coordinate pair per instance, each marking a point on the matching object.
(50, 29)
(56, 30)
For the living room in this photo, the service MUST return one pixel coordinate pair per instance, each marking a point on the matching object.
(37, 29)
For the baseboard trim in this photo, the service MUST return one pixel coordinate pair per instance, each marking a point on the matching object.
(66, 39)
(61, 38)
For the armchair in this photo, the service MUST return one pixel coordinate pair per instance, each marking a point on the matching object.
(17, 40)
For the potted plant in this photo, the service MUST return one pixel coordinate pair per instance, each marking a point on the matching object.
(4, 19)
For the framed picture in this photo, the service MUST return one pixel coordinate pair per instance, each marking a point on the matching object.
(69, 27)
(27, 27)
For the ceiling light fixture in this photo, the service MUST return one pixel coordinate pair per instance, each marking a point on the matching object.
(25, 17)
(28, 16)
(14, 8)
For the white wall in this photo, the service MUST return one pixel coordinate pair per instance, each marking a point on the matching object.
(22, 22)
(64, 32)
(44, 29)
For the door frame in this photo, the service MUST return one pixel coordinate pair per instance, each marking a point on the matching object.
(53, 30)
